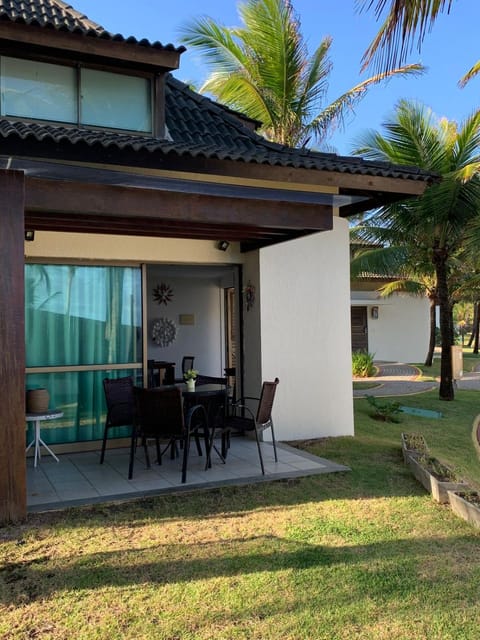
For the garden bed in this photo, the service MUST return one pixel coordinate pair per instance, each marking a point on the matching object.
(466, 505)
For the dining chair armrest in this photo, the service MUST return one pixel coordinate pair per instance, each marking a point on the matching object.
(245, 408)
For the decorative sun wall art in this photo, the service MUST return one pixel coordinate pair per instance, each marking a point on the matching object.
(162, 293)
(164, 332)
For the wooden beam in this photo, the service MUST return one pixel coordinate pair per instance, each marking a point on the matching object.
(13, 492)
(75, 198)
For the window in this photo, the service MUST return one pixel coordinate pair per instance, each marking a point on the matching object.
(116, 101)
(80, 321)
(44, 91)
(38, 90)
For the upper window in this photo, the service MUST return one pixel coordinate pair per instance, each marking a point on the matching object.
(43, 91)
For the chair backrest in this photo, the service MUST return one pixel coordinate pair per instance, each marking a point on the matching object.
(120, 401)
(201, 379)
(265, 405)
(159, 412)
(187, 363)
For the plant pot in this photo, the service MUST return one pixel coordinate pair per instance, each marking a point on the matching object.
(464, 508)
(437, 488)
(37, 400)
(190, 385)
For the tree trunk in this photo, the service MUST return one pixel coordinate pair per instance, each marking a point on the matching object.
(446, 392)
(431, 344)
(474, 333)
(476, 330)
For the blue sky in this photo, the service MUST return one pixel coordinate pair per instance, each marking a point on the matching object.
(448, 51)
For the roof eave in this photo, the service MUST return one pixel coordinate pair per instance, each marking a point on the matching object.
(92, 47)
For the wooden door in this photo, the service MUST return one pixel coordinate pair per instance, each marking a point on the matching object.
(359, 329)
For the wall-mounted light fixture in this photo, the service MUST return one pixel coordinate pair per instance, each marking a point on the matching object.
(223, 245)
(374, 313)
(29, 235)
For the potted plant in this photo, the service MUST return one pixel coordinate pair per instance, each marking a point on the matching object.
(466, 504)
(190, 376)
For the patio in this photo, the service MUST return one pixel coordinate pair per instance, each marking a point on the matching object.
(78, 478)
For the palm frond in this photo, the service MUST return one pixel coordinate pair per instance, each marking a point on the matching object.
(471, 73)
(405, 20)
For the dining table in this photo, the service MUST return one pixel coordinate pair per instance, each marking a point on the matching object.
(213, 397)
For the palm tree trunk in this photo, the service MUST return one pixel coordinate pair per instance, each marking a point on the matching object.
(476, 330)
(431, 344)
(474, 324)
(446, 392)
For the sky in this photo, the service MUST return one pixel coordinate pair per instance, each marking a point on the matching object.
(448, 51)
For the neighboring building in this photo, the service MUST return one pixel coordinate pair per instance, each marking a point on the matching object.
(395, 329)
(128, 181)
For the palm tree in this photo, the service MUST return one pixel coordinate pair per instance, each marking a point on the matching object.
(405, 19)
(264, 70)
(436, 221)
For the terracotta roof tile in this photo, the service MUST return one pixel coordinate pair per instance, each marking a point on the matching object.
(63, 17)
(197, 126)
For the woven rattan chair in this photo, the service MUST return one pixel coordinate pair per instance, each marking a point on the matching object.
(240, 418)
(120, 405)
(159, 415)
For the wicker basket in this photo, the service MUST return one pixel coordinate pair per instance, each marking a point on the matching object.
(37, 400)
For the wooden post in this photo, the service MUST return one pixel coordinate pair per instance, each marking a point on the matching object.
(13, 493)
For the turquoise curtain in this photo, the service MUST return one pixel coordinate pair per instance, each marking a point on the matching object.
(79, 315)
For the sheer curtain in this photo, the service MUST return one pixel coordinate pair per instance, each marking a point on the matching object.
(79, 316)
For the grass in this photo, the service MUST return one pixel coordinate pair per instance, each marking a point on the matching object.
(470, 362)
(365, 554)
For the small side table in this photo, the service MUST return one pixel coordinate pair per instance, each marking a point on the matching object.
(37, 418)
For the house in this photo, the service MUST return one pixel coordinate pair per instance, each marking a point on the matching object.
(394, 329)
(127, 182)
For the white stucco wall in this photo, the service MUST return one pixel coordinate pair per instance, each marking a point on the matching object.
(298, 329)
(305, 333)
(401, 332)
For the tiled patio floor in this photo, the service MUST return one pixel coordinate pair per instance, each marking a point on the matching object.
(80, 479)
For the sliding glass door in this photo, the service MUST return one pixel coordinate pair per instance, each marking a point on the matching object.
(82, 324)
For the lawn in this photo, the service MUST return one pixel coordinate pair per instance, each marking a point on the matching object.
(365, 554)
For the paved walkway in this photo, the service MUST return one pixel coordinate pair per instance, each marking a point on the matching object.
(399, 379)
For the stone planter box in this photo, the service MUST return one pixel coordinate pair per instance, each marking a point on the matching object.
(437, 488)
(464, 509)
(420, 445)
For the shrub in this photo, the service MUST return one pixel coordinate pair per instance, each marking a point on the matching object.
(362, 364)
(385, 411)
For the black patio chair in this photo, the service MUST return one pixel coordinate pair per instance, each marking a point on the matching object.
(159, 415)
(240, 418)
(187, 363)
(120, 406)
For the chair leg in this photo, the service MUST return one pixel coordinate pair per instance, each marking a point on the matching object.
(259, 451)
(159, 453)
(274, 442)
(197, 442)
(132, 456)
(104, 445)
(185, 457)
(145, 448)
